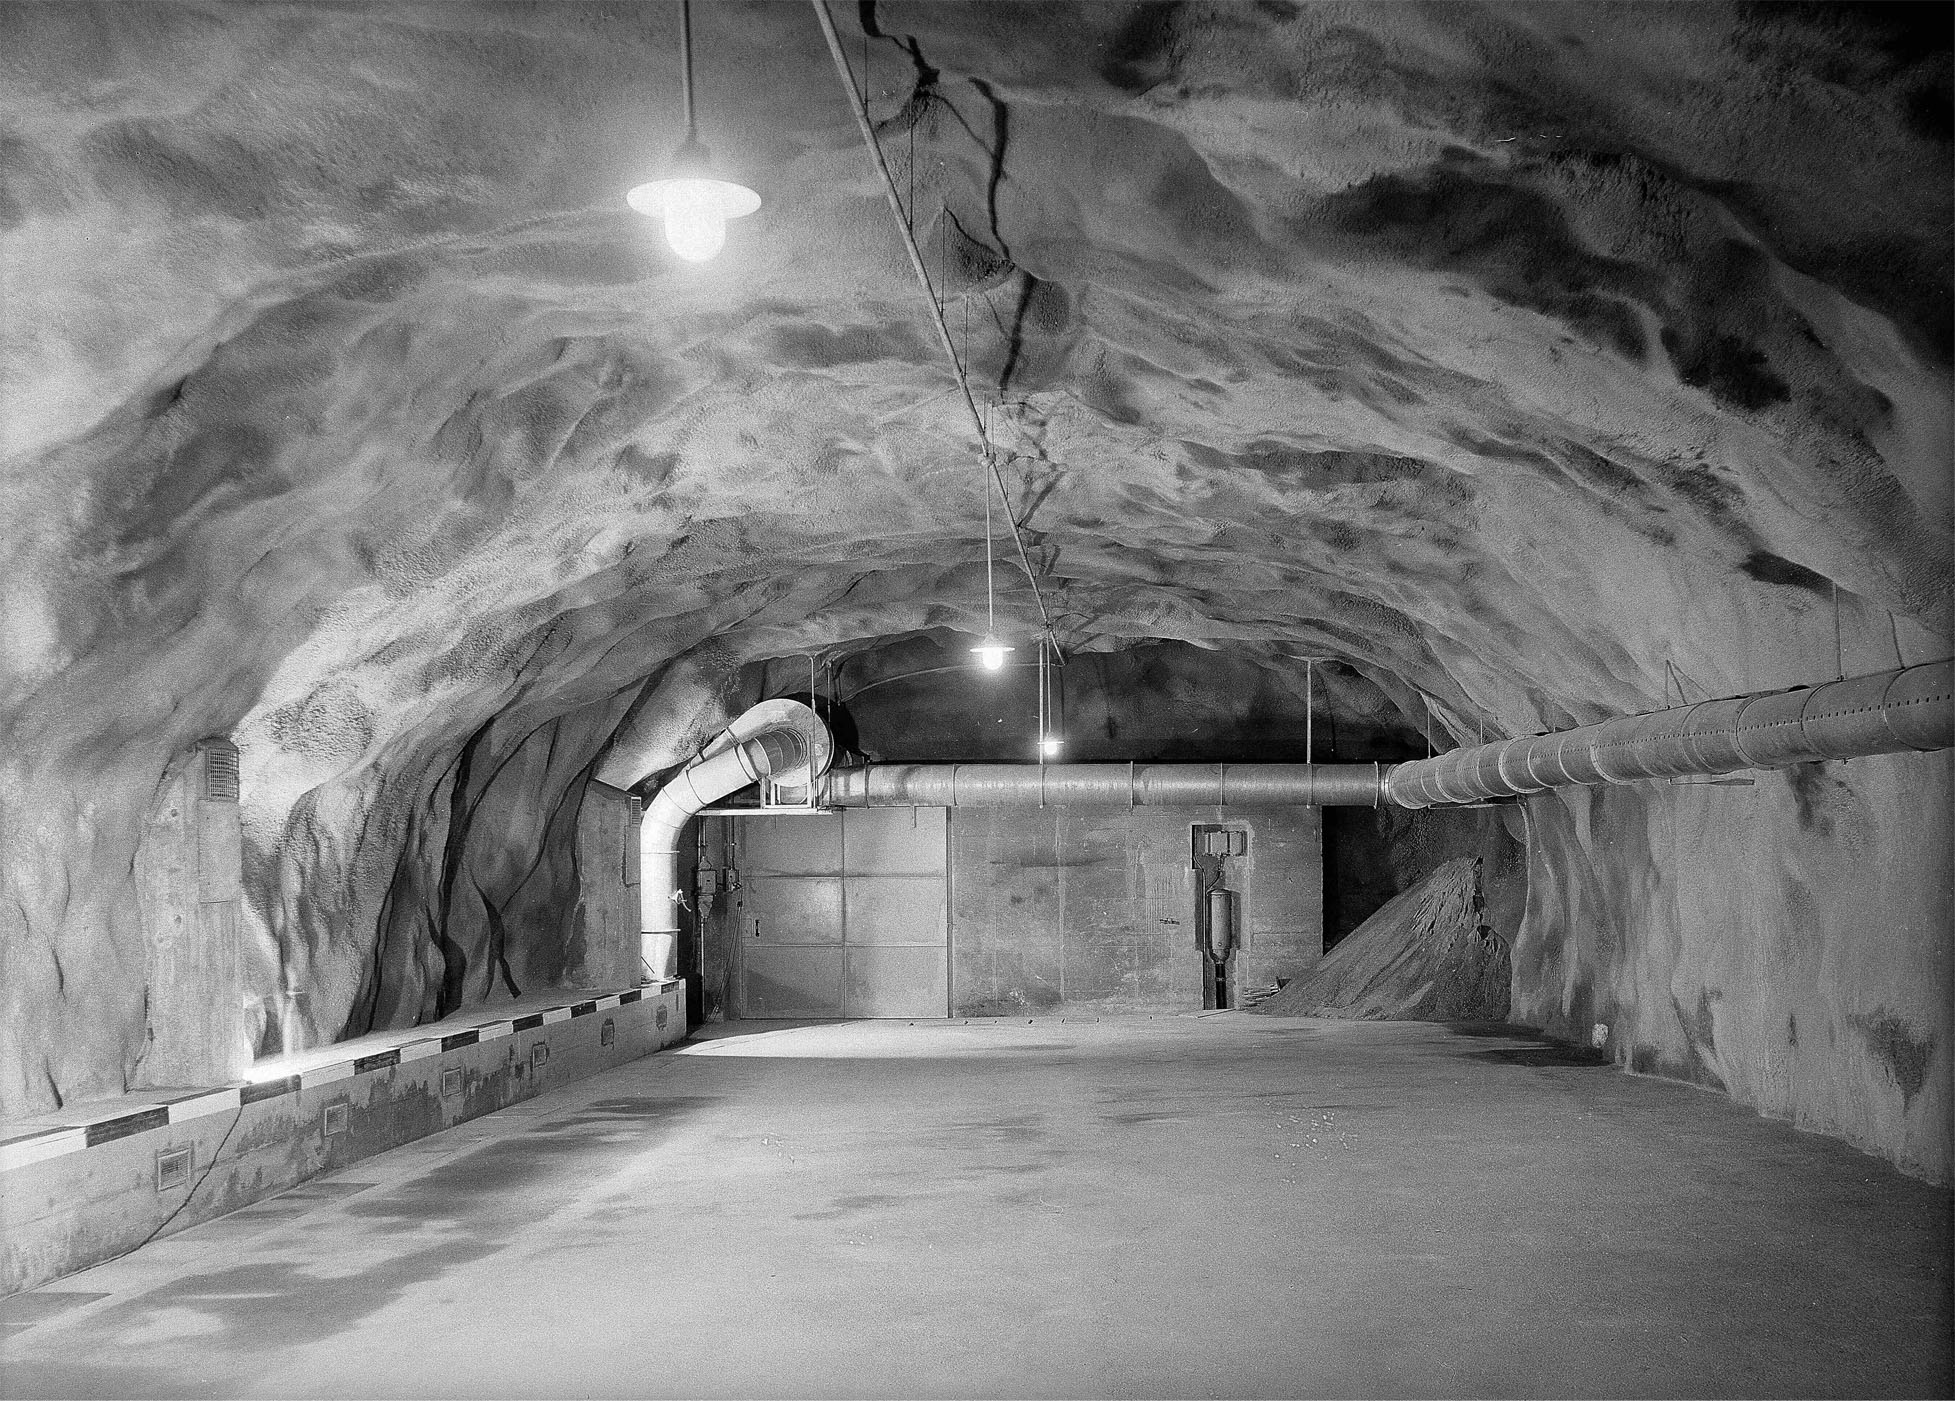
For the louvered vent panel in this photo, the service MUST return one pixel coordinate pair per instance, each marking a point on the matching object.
(220, 771)
(637, 811)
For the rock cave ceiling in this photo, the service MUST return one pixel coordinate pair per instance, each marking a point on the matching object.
(1514, 355)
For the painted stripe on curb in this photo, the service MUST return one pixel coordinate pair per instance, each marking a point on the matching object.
(326, 1075)
(269, 1089)
(221, 1102)
(52, 1144)
(31, 1143)
(111, 1129)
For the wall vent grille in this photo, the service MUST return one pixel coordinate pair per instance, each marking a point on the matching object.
(173, 1167)
(451, 1082)
(637, 811)
(539, 1055)
(220, 771)
(607, 1033)
(335, 1119)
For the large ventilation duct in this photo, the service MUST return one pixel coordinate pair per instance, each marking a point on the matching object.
(1104, 785)
(1890, 712)
(1886, 713)
(779, 740)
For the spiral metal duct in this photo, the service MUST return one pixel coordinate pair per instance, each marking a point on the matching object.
(1889, 712)
(1105, 785)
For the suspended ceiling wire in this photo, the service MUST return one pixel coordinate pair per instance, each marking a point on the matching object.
(859, 105)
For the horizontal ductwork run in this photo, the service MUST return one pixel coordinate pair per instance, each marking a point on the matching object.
(1105, 785)
(1890, 712)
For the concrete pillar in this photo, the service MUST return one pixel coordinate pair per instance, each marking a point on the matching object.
(189, 885)
(607, 896)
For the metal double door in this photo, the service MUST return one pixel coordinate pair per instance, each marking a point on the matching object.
(844, 914)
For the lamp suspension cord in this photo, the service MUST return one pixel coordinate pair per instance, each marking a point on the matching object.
(685, 70)
(990, 597)
(859, 106)
(1042, 724)
(1309, 711)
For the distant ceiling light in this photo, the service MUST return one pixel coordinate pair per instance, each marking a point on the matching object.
(694, 204)
(991, 653)
(1051, 747)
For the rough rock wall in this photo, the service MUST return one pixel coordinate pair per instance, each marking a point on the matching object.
(1787, 942)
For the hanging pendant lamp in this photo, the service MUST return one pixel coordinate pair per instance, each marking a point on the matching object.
(693, 203)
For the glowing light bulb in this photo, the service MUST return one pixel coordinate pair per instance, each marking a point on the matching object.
(991, 653)
(1050, 746)
(694, 210)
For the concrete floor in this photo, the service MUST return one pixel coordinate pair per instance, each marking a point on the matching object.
(1225, 1205)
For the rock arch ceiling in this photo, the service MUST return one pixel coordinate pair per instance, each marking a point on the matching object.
(1515, 355)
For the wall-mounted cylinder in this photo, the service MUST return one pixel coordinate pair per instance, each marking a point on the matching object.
(1221, 924)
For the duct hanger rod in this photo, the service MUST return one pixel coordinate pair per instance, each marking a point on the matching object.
(859, 105)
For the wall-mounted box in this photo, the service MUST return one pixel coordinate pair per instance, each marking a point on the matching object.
(173, 1167)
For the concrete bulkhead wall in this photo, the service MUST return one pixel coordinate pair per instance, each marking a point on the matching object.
(1062, 908)
(1787, 942)
(71, 1197)
(1093, 908)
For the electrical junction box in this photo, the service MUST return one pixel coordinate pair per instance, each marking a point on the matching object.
(1221, 842)
(173, 1167)
(219, 832)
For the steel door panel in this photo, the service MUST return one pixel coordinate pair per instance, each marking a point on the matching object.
(791, 910)
(791, 846)
(895, 842)
(791, 982)
(896, 982)
(889, 911)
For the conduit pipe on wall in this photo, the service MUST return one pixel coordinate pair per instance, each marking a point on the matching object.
(1105, 785)
(1889, 712)
(769, 741)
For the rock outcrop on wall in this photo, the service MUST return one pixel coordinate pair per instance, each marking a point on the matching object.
(1787, 942)
(1537, 362)
(1429, 955)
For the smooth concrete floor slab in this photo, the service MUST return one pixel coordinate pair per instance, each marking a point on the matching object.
(1222, 1205)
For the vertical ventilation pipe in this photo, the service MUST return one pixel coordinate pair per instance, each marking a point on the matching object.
(1889, 712)
(779, 740)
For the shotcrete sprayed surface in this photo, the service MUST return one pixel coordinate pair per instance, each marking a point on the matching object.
(1538, 360)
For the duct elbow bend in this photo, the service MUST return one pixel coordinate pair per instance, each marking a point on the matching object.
(782, 743)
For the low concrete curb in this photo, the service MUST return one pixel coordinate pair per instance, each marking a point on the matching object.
(80, 1188)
